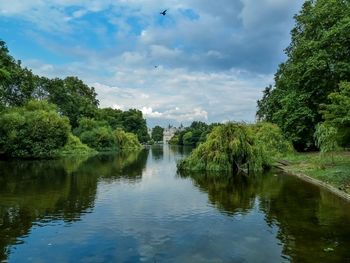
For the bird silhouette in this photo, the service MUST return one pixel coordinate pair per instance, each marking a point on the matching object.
(155, 66)
(164, 12)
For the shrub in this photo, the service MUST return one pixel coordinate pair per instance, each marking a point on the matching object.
(126, 140)
(74, 147)
(33, 131)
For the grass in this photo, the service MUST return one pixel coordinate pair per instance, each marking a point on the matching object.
(334, 171)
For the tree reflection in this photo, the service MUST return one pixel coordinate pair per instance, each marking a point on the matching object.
(37, 191)
(157, 152)
(309, 220)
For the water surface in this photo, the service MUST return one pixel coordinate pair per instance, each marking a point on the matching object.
(134, 207)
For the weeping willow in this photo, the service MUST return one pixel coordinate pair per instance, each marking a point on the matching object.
(126, 140)
(235, 145)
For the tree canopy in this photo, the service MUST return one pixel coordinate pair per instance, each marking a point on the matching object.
(157, 133)
(337, 113)
(234, 145)
(54, 99)
(100, 136)
(318, 59)
(35, 130)
(193, 135)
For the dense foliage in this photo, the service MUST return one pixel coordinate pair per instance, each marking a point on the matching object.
(69, 97)
(326, 138)
(234, 145)
(193, 135)
(130, 121)
(35, 130)
(126, 140)
(16, 83)
(318, 60)
(74, 147)
(101, 137)
(157, 133)
(96, 134)
(337, 113)
(73, 98)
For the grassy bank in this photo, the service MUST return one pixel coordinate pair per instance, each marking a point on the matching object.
(334, 171)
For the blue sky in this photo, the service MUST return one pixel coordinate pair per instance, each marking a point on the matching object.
(214, 58)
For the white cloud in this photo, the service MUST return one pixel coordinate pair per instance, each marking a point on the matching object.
(173, 95)
(118, 107)
(148, 112)
(211, 68)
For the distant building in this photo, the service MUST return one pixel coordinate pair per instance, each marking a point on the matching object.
(168, 133)
(149, 131)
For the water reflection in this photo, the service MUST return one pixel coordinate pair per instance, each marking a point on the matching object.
(313, 224)
(157, 152)
(132, 207)
(36, 192)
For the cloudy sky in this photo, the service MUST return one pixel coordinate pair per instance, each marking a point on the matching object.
(213, 58)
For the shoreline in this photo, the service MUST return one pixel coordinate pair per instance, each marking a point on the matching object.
(317, 182)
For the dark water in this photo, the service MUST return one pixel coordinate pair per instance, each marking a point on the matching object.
(135, 208)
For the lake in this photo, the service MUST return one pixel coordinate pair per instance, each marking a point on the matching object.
(134, 207)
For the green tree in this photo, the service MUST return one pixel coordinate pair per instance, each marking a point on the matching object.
(234, 145)
(33, 131)
(96, 134)
(19, 85)
(16, 83)
(73, 98)
(126, 140)
(157, 133)
(134, 122)
(187, 138)
(337, 113)
(326, 139)
(318, 60)
(113, 117)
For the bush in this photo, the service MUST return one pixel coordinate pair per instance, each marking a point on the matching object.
(33, 131)
(74, 147)
(126, 140)
(100, 136)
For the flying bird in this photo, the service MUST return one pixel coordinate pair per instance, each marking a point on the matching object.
(155, 66)
(164, 12)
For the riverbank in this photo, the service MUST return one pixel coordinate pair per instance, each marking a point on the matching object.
(331, 174)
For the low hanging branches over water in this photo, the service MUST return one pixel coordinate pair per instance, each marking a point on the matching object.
(235, 145)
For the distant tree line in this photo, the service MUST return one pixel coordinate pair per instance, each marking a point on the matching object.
(312, 86)
(193, 135)
(38, 114)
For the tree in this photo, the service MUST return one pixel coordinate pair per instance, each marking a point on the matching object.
(134, 122)
(113, 117)
(33, 131)
(157, 133)
(126, 140)
(326, 139)
(19, 85)
(318, 60)
(96, 134)
(187, 138)
(101, 137)
(16, 83)
(73, 98)
(233, 145)
(337, 113)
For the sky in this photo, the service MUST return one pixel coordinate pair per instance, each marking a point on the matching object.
(204, 60)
